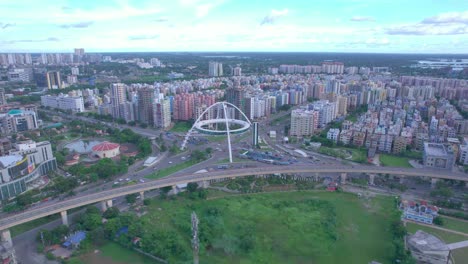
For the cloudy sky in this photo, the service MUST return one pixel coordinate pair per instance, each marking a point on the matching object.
(423, 26)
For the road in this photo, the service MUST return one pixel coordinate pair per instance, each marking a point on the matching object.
(85, 199)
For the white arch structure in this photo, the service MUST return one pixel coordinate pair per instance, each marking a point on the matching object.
(199, 124)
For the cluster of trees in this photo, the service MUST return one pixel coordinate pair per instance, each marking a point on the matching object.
(55, 236)
(401, 255)
(103, 169)
(128, 136)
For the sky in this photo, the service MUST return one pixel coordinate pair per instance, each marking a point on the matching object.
(377, 26)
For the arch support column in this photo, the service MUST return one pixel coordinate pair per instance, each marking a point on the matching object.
(434, 182)
(142, 195)
(64, 216)
(343, 177)
(371, 179)
(103, 206)
(6, 237)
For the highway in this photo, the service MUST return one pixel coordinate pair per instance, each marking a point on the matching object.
(85, 199)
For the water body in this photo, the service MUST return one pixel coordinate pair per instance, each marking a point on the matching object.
(82, 146)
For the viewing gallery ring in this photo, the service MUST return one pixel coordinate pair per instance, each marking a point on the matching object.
(199, 126)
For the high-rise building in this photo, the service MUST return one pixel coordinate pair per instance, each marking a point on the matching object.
(17, 120)
(235, 96)
(53, 80)
(215, 69)
(145, 105)
(162, 113)
(79, 52)
(118, 98)
(237, 71)
(75, 71)
(302, 123)
(2, 96)
(255, 134)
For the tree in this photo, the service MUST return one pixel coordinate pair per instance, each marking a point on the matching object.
(208, 150)
(146, 202)
(192, 187)
(131, 198)
(91, 221)
(438, 221)
(111, 212)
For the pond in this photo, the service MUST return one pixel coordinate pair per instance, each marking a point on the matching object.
(82, 146)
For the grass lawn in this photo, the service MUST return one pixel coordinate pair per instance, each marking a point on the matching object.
(216, 138)
(293, 227)
(455, 224)
(112, 253)
(170, 170)
(357, 155)
(181, 126)
(234, 159)
(19, 229)
(393, 161)
(460, 255)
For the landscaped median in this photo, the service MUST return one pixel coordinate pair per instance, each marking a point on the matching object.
(197, 157)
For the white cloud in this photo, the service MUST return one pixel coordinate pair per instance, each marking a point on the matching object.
(428, 29)
(450, 17)
(274, 16)
(362, 19)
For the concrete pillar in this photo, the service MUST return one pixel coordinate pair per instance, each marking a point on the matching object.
(6, 237)
(103, 206)
(434, 182)
(466, 184)
(343, 177)
(402, 179)
(316, 176)
(142, 195)
(371, 179)
(64, 217)
(174, 189)
(109, 203)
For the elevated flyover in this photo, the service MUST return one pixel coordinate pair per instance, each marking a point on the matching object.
(108, 195)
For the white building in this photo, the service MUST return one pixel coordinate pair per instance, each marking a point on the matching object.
(75, 71)
(162, 113)
(333, 134)
(64, 102)
(19, 75)
(302, 123)
(215, 69)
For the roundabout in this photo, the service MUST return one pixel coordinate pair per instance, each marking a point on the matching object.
(219, 119)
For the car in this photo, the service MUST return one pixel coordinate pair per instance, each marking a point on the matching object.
(141, 180)
(128, 179)
(170, 162)
(120, 180)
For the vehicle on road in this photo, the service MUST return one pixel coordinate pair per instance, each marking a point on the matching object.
(170, 162)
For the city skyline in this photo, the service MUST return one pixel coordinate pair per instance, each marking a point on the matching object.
(227, 25)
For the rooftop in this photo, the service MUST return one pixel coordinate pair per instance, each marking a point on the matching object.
(435, 149)
(105, 146)
(423, 241)
(7, 161)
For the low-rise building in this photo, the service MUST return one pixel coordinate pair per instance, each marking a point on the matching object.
(64, 102)
(419, 212)
(438, 156)
(25, 163)
(427, 248)
(333, 134)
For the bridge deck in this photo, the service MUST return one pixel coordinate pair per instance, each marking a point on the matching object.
(35, 213)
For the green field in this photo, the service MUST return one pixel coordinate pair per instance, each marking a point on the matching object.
(181, 126)
(460, 255)
(170, 170)
(357, 155)
(393, 161)
(455, 224)
(19, 229)
(294, 227)
(112, 253)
